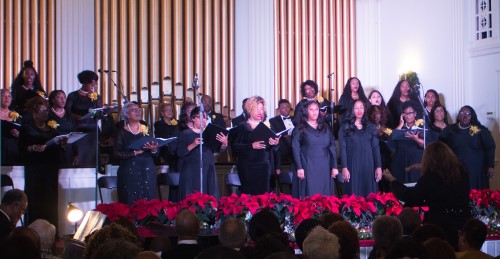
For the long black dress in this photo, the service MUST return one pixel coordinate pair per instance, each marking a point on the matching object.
(359, 151)
(254, 165)
(476, 151)
(313, 151)
(167, 153)
(10, 149)
(136, 174)
(189, 180)
(66, 125)
(41, 173)
(448, 203)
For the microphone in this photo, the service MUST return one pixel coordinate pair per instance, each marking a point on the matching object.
(415, 89)
(330, 75)
(196, 85)
(107, 109)
(100, 70)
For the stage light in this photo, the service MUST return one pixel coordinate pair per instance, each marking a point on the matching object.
(74, 214)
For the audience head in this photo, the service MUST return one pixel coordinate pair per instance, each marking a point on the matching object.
(467, 116)
(386, 231)
(29, 233)
(427, 231)
(376, 98)
(406, 248)
(377, 115)
(19, 246)
(14, 204)
(472, 235)
(303, 230)
(233, 233)
(431, 98)
(438, 158)
(219, 252)
(271, 243)
(321, 244)
(112, 231)
(436, 248)
(28, 77)
(255, 108)
(309, 89)
(207, 102)
(284, 107)
(348, 239)
(46, 232)
(410, 220)
(117, 248)
(187, 225)
(439, 113)
(328, 218)
(88, 79)
(262, 223)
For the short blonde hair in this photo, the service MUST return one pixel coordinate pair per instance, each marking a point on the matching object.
(252, 103)
(320, 244)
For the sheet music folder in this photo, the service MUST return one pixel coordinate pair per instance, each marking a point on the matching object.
(210, 136)
(262, 133)
(399, 134)
(7, 126)
(139, 143)
(72, 138)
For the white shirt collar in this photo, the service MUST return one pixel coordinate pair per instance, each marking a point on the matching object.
(5, 214)
(187, 242)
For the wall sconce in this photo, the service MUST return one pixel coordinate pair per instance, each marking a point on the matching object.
(74, 214)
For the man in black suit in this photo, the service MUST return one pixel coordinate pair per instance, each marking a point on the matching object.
(280, 123)
(213, 117)
(187, 228)
(240, 118)
(14, 205)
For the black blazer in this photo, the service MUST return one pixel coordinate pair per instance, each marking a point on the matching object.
(277, 123)
(217, 119)
(5, 226)
(238, 120)
(182, 251)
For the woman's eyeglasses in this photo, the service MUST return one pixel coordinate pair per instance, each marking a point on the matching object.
(136, 110)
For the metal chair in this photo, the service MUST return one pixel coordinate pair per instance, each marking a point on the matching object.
(233, 183)
(108, 182)
(6, 180)
(172, 181)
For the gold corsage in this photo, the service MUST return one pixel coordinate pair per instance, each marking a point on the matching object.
(473, 130)
(144, 130)
(93, 96)
(321, 99)
(172, 122)
(387, 131)
(14, 115)
(419, 122)
(41, 93)
(53, 124)
(267, 124)
(213, 116)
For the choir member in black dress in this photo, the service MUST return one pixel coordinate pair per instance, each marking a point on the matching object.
(400, 95)
(314, 154)
(10, 135)
(189, 152)
(309, 91)
(255, 159)
(474, 146)
(167, 127)
(57, 100)
(431, 99)
(353, 90)
(279, 123)
(137, 171)
(26, 85)
(42, 161)
(439, 119)
(409, 151)
(185, 116)
(78, 104)
(240, 118)
(443, 187)
(378, 117)
(376, 98)
(213, 117)
(359, 152)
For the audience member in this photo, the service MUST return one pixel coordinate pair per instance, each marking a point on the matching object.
(437, 248)
(321, 244)
(406, 248)
(220, 252)
(263, 222)
(410, 220)
(348, 239)
(19, 246)
(112, 231)
(187, 228)
(233, 233)
(303, 229)
(47, 234)
(147, 255)
(116, 248)
(386, 230)
(269, 244)
(281, 255)
(470, 240)
(427, 231)
(13, 206)
(328, 218)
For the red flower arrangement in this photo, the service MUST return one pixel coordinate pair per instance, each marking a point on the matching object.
(203, 205)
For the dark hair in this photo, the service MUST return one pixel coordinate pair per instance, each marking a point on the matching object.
(310, 83)
(439, 159)
(350, 119)
(427, 231)
(328, 218)
(396, 94)
(305, 113)
(262, 223)
(19, 81)
(86, 76)
(13, 196)
(381, 96)
(219, 252)
(183, 117)
(435, 95)
(475, 232)
(33, 103)
(233, 233)
(303, 230)
(348, 91)
(410, 219)
(473, 120)
(282, 101)
(348, 239)
(195, 112)
(415, 106)
(374, 109)
(433, 110)
(52, 95)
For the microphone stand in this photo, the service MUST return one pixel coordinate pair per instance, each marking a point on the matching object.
(196, 86)
(330, 76)
(416, 91)
(118, 88)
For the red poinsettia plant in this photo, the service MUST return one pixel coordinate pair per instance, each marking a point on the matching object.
(142, 212)
(203, 205)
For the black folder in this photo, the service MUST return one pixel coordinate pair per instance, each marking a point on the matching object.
(210, 136)
(399, 134)
(72, 138)
(7, 126)
(262, 133)
(139, 143)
